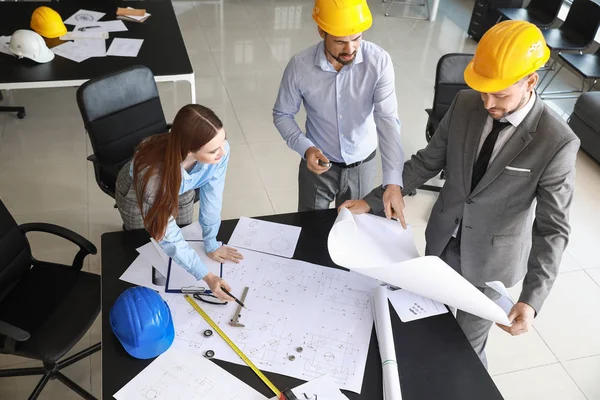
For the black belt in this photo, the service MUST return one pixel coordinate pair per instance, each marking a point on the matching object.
(356, 164)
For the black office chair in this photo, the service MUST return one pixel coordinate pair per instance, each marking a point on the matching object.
(575, 35)
(449, 80)
(587, 66)
(119, 110)
(541, 13)
(17, 109)
(45, 308)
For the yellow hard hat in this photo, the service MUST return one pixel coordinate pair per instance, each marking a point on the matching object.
(47, 23)
(508, 52)
(342, 17)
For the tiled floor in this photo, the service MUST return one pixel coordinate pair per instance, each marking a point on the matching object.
(239, 49)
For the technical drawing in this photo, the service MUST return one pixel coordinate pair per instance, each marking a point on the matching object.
(263, 339)
(332, 352)
(343, 300)
(84, 18)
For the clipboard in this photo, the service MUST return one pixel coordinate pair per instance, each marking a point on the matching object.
(181, 281)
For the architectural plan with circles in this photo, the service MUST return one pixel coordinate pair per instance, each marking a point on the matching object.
(265, 237)
(179, 375)
(302, 320)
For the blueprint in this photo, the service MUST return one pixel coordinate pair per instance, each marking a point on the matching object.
(177, 375)
(266, 237)
(302, 320)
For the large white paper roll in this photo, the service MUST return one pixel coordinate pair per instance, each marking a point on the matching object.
(385, 339)
(381, 249)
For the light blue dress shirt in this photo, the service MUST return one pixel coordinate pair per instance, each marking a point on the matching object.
(347, 111)
(210, 178)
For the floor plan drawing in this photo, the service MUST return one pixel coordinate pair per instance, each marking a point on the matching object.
(266, 237)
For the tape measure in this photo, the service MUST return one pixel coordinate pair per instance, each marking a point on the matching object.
(233, 346)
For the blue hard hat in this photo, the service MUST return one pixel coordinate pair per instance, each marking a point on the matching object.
(142, 322)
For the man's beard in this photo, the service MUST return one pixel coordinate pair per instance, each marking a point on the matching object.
(517, 108)
(339, 58)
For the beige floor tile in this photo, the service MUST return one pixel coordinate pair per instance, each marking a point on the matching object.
(585, 373)
(549, 383)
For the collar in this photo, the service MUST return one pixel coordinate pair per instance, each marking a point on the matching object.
(322, 61)
(518, 116)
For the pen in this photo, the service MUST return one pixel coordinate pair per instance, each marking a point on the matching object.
(85, 28)
(233, 297)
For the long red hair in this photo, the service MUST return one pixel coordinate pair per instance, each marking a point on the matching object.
(159, 158)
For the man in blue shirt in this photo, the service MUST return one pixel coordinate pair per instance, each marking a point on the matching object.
(348, 90)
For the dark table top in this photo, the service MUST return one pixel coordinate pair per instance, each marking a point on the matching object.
(163, 50)
(435, 360)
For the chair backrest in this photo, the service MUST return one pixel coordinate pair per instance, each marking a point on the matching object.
(119, 110)
(15, 254)
(583, 19)
(546, 8)
(449, 80)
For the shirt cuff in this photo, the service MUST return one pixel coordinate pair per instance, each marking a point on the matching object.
(303, 145)
(211, 245)
(392, 178)
(199, 270)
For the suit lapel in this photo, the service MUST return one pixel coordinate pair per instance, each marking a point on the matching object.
(515, 145)
(477, 120)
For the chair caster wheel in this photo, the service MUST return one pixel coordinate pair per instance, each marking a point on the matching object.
(21, 115)
(413, 193)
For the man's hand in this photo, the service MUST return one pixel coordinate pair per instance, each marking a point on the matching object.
(355, 206)
(312, 156)
(521, 317)
(393, 203)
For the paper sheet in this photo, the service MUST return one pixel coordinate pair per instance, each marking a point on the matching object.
(140, 273)
(176, 374)
(179, 278)
(93, 48)
(85, 36)
(505, 301)
(349, 241)
(84, 16)
(192, 232)
(152, 254)
(411, 307)
(125, 47)
(290, 304)
(4, 43)
(71, 51)
(323, 388)
(385, 340)
(101, 26)
(266, 237)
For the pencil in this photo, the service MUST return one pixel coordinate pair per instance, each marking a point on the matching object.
(233, 297)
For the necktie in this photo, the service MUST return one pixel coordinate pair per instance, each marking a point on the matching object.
(486, 152)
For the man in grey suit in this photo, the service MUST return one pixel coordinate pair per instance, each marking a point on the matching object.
(502, 214)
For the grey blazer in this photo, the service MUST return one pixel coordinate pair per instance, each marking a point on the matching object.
(505, 236)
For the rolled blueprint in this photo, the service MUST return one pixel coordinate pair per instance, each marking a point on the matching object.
(385, 339)
(383, 250)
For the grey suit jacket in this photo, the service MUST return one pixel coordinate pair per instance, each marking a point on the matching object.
(505, 236)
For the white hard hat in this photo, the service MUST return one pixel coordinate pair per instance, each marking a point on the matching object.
(29, 44)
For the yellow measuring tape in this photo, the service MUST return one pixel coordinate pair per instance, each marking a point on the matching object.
(233, 346)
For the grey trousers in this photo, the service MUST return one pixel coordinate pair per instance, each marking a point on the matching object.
(316, 192)
(476, 329)
(129, 209)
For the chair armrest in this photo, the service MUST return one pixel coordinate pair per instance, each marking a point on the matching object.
(13, 332)
(93, 158)
(86, 247)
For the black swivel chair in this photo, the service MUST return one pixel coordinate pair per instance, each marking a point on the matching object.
(119, 110)
(45, 308)
(541, 13)
(575, 35)
(17, 109)
(449, 80)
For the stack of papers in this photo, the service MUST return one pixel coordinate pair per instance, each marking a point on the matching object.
(134, 18)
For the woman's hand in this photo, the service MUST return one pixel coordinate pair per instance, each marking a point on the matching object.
(215, 283)
(225, 253)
